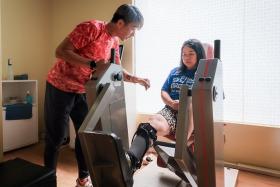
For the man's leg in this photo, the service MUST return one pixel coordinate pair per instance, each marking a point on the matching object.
(78, 115)
(57, 107)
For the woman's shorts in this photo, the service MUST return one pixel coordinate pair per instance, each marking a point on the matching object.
(171, 117)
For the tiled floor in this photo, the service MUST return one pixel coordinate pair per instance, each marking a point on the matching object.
(67, 168)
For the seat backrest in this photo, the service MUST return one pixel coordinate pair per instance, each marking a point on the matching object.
(209, 50)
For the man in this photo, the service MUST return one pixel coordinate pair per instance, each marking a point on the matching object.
(85, 50)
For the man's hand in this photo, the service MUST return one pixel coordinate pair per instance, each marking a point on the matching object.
(144, 82)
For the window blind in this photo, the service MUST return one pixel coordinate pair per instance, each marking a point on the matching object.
(250, 51)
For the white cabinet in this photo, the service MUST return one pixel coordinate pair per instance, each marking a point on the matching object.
(19, 132)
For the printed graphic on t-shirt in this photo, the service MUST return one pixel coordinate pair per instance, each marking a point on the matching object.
(176, 79)
(179, 81)
(176, 84)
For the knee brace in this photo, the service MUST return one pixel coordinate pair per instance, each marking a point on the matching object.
(143, 138)
(148, 132)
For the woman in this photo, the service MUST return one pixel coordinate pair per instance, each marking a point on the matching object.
(165, 120)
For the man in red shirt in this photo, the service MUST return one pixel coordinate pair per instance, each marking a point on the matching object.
(82, 52)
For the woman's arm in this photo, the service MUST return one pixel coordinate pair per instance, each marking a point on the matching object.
(169, 101)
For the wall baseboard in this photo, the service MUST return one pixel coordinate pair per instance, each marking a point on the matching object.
(254, 169)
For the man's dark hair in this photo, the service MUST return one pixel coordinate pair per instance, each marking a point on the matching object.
(197, 47)
(129, 14)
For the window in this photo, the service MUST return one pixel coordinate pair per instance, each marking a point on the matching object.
(250, 43)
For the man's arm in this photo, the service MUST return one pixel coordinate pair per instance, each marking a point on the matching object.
(131, 78)
(66, 51)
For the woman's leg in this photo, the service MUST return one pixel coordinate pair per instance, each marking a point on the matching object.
(160, 124)
(143, 138)
(146, 134)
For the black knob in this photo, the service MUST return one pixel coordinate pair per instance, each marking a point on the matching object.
(208, 79)
(201, 79)
(117, 76)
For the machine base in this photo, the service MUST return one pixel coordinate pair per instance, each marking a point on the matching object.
(106, 160)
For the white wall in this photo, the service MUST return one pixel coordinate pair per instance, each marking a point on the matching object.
(26, 36)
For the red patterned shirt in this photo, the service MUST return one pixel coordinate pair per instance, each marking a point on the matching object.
(91, 40)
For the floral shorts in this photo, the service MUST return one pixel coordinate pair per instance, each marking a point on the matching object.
(171, 117)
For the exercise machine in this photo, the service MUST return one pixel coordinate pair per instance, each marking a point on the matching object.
(104, 135)
(203, 105)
